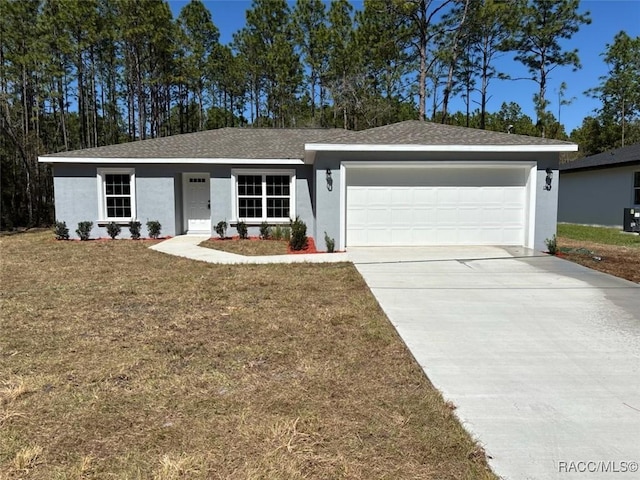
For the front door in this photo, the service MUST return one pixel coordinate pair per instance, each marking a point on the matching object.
(197, 209)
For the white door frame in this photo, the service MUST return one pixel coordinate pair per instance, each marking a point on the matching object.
(186, 176)
(530, 189)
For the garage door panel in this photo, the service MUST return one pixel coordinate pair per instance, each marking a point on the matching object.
(413, 211)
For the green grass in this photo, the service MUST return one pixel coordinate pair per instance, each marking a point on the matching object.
(602, 235)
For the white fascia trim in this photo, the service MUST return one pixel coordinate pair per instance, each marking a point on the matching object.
(178, 161)
(442, 164)
(330, 147)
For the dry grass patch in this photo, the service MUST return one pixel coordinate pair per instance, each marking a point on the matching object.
(127, 363)
(249, 247)
(621, 261)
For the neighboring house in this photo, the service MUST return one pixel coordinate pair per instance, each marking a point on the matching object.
(595, 190)
(410, 183)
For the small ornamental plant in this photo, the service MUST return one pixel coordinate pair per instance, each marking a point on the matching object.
(154, 228)
(331, 243)
(134, 230)
(113, 229)
(84, 230)
(298, 240)
(552, 245)
(243, 231)
(221, 229)
(265, 231)
(61, 231)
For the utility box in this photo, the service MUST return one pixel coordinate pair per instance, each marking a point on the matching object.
(631, 221)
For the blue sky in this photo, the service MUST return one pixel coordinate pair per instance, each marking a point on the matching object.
(608, 17)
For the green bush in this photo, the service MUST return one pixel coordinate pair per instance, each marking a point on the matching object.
(84, 230)
(113, 229)
(331, 243)
(276, 232)
(243, 231)
(552, 245)
(154, 228)
(286, 234)
(221, 229)
(265, 231)
(298, 239)
(134, 230)
(61, 231)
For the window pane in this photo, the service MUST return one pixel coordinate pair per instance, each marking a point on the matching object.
(637, 196)
(636, 180)
(117, 184)
(277, 207)
(277, 185)
(249, 185)
(250, 207)
(118, 207)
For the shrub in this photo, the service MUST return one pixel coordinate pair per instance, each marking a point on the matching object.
(331, 243)
(113, 229)
(154, 227)
(265, 231)
(221, 229)
(552, 245)
(84, 230)
(243, 231)
(61, 231)
(298, 238)
(276, 232)
(286, 233)
(134, 230)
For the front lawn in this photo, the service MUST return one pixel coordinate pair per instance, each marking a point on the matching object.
(121, 362)
(603, 249)
(601, 235)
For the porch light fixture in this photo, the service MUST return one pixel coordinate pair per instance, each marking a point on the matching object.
(548, 180)
(329, 180)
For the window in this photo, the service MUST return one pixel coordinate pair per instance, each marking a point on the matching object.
(116, 194)
(636, 188)
(264, 196)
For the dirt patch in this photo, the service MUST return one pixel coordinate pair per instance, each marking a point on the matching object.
(254, 246)
(623, 262)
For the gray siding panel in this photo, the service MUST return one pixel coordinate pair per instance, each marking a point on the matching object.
(596, 197)
(76, 197)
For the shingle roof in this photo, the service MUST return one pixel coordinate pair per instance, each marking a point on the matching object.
(620, 156)
(258, 143)
(415, 132)
(271, 143)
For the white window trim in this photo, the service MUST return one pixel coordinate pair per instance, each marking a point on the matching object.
(263, 172)
(102, 198)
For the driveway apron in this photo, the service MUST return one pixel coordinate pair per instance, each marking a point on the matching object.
(540, 356)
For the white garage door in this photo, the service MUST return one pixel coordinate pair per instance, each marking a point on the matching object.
(436, 206)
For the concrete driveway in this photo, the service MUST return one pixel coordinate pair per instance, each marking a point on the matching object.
(540, 356)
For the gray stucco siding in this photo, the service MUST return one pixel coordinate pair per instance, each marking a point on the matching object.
(596, 197)
(155, 198)
(76, 197)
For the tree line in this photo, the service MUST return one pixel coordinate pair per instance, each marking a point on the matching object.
(84, 73)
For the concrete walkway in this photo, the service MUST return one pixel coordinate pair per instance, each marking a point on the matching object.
(541, 356)
(187, 246)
